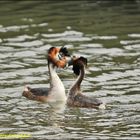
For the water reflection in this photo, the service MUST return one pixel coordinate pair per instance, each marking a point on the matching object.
(111, 42)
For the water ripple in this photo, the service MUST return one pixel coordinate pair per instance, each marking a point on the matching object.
(109, 40)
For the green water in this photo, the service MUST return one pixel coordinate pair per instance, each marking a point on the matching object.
(106, 32)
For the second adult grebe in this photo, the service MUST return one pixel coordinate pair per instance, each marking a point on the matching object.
(75, 97)
(57, 57)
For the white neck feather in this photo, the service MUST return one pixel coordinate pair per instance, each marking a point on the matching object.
(56, 86)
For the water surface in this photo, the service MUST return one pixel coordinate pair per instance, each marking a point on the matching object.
(106, 32)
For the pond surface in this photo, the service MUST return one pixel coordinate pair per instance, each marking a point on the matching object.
(106, 32)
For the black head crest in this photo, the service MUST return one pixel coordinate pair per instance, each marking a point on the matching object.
(64, 51)
(78, 64)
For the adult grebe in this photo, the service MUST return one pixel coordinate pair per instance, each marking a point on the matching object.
(57, 57)
(75, 97)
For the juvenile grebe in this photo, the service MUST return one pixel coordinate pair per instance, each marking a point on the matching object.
(75, 97)
(57, 57)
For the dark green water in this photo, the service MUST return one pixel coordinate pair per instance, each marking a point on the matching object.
(106, 32)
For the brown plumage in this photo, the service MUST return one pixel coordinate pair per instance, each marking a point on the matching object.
(75, 97)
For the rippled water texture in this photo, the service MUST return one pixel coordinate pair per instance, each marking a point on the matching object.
(106, 32)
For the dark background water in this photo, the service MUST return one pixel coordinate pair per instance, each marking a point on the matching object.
(106, 32)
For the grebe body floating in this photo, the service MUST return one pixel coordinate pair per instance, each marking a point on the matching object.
(57, 57)
(75, 97)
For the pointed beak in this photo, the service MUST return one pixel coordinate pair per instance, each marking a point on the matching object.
(70, 60)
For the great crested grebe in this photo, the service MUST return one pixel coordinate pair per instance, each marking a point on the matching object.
(57, 57)
(75, 97)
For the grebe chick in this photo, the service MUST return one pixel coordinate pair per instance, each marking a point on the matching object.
(57, 57)
(75, 97)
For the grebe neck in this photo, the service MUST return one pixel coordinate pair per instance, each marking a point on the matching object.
(76, 85)
(57, 90)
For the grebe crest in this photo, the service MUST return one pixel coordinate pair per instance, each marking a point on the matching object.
(78, 64)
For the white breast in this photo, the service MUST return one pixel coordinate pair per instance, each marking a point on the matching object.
(57, 92)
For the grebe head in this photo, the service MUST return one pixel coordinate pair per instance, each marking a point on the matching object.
(60, 57)
(78, 63)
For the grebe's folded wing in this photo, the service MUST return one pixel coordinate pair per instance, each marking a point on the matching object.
(89, 100)
(39, 91)
(95, 101)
